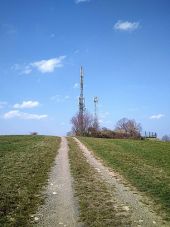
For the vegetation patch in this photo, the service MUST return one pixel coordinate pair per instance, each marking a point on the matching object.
(24, 165)
(146, 164)
(97, 206)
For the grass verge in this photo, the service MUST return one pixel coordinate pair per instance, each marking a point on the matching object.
(97, 206)
(146, 164)
(24, 165)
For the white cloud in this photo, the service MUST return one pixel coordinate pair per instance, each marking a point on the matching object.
(60, 98)
(3, 104)
(21, 115)
(126, 26)
(27, 70)
(43, 66)
(16, 67)
(46, 66)
(23, 69)
(76, 85)
(80, 1)
(26, 105)
(157, 117)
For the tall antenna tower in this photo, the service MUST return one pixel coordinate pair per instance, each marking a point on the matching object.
(81, 101)
(96, 123)
(81, 98)
(95, 106)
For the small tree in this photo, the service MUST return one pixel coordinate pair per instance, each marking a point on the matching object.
(166, 138)
(81, 123)
(34, 133)
(127, 126)
(69, 134)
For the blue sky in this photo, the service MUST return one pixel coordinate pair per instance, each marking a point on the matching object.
(123, 46)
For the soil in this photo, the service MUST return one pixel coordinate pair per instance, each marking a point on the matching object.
(60, 207)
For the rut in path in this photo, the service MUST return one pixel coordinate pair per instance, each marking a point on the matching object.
(141, 214)
(59, 208)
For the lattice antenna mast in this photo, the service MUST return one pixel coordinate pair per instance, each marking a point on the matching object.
(81, 102)
(95, 106)
(81, 98)
(96, 123)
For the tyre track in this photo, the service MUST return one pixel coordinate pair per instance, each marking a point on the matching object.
(59, 208)
(142, 215)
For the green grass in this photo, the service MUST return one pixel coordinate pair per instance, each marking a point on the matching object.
(24, 165)
(145, 164)
(98, 208)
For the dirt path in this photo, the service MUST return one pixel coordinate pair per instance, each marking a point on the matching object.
(141, 214)
(59, 208)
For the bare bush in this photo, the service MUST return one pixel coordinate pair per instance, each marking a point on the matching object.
(166, 138)
(81, 123)
(130, 127)
(110, 134)
(34, 133)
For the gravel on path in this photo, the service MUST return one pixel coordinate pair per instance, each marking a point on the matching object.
(142, 215)
(60, 207)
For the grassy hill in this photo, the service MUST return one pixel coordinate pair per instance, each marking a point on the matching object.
(24, 165)
(145, 164)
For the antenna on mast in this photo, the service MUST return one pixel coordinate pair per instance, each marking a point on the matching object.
(95, 106)
(81, 100)
(96, 122)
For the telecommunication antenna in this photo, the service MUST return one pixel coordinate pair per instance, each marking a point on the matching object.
(95, 106)
(81, 101)
(96, 123)
(81, 98)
